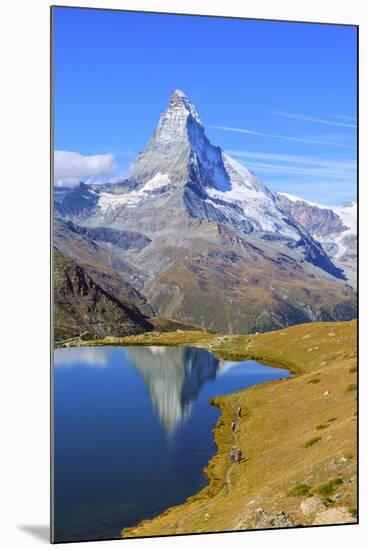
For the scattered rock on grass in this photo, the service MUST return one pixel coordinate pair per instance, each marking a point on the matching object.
(312, 505)
(351, 480)
(265, 521)
(334, 516)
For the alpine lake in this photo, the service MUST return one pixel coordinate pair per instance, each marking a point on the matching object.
(133, 431)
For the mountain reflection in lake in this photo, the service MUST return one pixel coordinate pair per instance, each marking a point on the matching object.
(173, 377)
(133, 431)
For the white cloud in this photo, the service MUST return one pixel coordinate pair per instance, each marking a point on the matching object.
(71, 167)
(92, 357)
(275, 136)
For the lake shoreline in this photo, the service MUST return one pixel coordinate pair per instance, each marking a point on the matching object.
(214, 485)
(303, 350)
(304, 361)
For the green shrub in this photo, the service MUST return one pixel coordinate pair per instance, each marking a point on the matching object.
(352, 387)
(299, 490)
(353, 511)
(353, 369)
(321, 426)
(311, 442)
(314, 381)
(327, 489)
(331, 419)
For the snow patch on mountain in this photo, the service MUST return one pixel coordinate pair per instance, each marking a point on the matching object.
(348, 214)
(253, 199)
(109, 201)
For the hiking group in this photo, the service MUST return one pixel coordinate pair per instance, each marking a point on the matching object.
(235, 453)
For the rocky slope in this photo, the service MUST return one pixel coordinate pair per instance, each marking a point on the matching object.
(108, 269)
(216, 247)
(335, 227)
(82, 308)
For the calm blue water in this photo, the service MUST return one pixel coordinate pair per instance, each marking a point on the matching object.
(133, 431)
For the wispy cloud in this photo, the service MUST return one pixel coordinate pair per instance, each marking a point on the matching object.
(317, 190)
(295, 159)
(70, 167)
(276, 163)
(344, 117)
(327, 172)
(307, 118)
(276, 136)
(324, 179)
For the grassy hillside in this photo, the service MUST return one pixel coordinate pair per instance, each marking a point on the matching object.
(298, 436)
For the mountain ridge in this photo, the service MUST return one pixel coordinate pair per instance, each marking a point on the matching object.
(83, 308)
(335, 227)
(214, 235)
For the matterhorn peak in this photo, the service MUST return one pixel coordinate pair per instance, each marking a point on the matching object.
(178, 134)
(180, 102)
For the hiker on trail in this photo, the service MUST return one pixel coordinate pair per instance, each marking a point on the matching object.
(233, 424)
(239, 455)
(232, 455)
(238, 411)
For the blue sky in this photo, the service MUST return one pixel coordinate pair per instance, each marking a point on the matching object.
(279, 97)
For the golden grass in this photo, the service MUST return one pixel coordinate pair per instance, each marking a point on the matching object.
(279, 418)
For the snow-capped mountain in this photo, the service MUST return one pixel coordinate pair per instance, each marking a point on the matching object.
(223, 252)
(180, 159)
(335, 227)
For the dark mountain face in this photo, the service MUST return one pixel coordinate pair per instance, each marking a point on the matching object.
(122, 239)
(78, 201)
(82, 308)
(104, 262)
(211, 244)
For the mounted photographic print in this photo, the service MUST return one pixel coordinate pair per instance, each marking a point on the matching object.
(204, 215)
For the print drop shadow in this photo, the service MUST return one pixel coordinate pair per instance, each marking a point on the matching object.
(41, 532)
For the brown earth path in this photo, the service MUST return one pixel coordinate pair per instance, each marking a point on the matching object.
(202, 507)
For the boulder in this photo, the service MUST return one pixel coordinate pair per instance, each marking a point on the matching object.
(312, 505)
(265, 520)
(334, 516)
